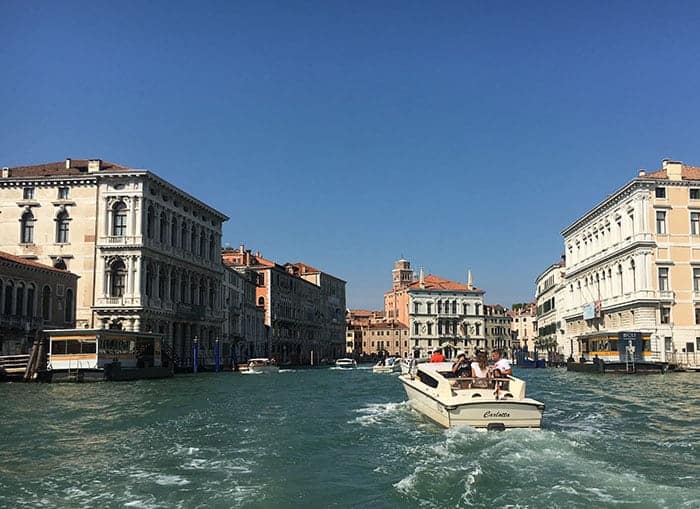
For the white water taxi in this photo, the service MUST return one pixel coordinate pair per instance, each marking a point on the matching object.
(346, 363)
(380, 367)
(451, 402)
(262, 365)
(408, 364)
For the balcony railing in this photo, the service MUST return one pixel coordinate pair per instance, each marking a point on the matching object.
(122, 240)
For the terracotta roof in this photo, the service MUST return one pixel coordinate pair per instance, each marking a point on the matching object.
(305, 269)
(687, 173)
(433, 282)
(77, 167)
(30, 263)
(361, 312)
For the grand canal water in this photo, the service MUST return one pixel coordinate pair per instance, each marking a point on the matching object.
(331, 438)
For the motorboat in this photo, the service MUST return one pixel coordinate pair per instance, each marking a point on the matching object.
(346, 363)
(382, 367)
(458, 401)
(262, 365)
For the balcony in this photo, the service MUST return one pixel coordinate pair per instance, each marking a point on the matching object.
(121, 240)
(123, 301)
(667, 295)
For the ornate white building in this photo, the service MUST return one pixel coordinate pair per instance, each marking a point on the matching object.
(633, 265)
(147, 253)
(549, 297)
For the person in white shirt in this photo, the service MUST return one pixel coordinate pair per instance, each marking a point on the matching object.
(501, 366)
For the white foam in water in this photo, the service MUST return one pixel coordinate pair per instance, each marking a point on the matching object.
(377, 412)
(287, 370)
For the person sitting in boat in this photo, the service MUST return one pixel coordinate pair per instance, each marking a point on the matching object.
(480, 371)
(501, 366)
(461, 365)
(437, 356)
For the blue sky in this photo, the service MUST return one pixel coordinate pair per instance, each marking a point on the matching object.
(348, 134)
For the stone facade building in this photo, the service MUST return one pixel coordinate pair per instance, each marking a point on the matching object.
(147, 253)
(497, 327)
(633, 265)
(244, 321)
(523, 326)
(551, 327)
(304, 307)
(33, 297)
(437, 311)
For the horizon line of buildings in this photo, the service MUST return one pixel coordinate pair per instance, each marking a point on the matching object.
(148, 257)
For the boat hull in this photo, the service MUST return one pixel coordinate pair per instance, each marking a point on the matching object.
(263, 369)
(489, 414)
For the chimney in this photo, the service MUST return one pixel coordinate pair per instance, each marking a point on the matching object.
(5, 172)
(68, 163)
(642, 172)
(470, 283)
(421, 279)
(674, 169)
(94, 165)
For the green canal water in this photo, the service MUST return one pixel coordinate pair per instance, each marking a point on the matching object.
(332, 438)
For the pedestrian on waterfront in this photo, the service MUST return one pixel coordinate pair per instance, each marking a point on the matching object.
(461, 365)
(437, 356)
(501, 366)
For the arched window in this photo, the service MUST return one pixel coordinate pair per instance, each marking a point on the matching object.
(173, 284)
(161, 283)
(173, 233)
(27, 228)
(202, 245)
(119, 219)
(62, 222)
(150, 278)
(183, 288)
(202, 292)
(46, 303)
(150, 223)
(70, 305)
(212, 248)
(183, 236)
(163, 227)
(19, 301)
(31, 295)
(8, 288)
(117, 273)
(193, 290)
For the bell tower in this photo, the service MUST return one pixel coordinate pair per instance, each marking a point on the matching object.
(402, 275)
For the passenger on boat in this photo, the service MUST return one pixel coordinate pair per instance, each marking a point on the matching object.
(501, 366)
(437, 356)
(461, 365)
(480, 371)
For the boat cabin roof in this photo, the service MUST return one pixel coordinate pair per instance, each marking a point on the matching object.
(259, 359)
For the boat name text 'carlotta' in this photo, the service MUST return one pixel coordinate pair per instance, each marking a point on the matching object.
(489, 413)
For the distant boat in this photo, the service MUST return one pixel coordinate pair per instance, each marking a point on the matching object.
(346, 363)
(262, 365)
(531, 363)
(381, 367)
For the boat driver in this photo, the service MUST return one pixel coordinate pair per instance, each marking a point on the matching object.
(437, 356)
(461, 365)
(501, 366)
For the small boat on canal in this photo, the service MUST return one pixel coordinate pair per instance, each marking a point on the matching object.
(261, 365)
(384, 368)
(346, 363)
(464, 401)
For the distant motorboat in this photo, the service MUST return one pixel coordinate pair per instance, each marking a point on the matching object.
(346, 363)
(381, 367)
(262, 365)
(408, 364)
(480, 403)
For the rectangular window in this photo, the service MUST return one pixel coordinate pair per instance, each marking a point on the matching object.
(430, 307)
(430, 328)
(661, 192)
(695, 223)
(28, 193)
(695, 194)
(665, 315)
(696, 279)
(697, 316)
(663, 279)
(661, 222)
(62, 193)
(668, 344)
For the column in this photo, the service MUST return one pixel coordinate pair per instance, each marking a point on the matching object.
(108, 218)
(138, 207)
(156, 280)
(131, 280)
(100, 278)
(137, 276)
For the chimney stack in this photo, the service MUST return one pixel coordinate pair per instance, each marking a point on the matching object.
(642, 172)
(5, 172)
(674, 169)
(68, 163)
(470, 283)
(94, 165)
